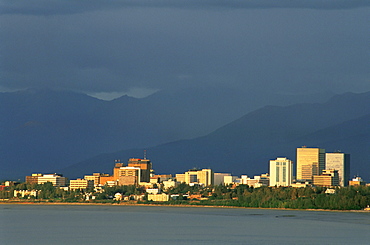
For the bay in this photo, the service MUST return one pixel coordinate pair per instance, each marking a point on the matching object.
(108, 224)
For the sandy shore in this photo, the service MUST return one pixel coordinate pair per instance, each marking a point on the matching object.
(162, 205)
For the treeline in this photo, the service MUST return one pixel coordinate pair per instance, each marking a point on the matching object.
(344, 198)
(47, 192)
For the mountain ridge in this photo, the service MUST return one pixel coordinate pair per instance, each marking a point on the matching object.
(245, 145)
(44, 129)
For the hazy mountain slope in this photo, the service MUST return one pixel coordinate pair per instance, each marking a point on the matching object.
(247, 144)
(42, 129)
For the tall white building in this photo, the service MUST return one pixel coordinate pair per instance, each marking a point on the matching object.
(281, 172)
(341, 162)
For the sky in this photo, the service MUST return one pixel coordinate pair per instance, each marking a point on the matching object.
(110, 48)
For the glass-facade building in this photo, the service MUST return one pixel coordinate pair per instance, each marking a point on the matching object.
(310, 162)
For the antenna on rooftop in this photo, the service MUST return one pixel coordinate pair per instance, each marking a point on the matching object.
(144, 154)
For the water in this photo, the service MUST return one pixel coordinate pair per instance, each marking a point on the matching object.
(73, 224)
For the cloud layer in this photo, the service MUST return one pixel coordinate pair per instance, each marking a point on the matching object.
(292, 47)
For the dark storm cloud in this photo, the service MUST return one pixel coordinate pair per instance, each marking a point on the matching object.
(120, 45)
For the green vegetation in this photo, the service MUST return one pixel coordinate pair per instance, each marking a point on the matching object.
(344, 198)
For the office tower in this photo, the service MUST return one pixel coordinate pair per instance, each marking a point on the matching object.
(310, 162)
(145, 166)
(341, 162)
(281, 172)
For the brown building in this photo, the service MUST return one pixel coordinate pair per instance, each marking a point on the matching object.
(33, 179)
(116, 168)
(128, 180)
(104, 179)
(129, 176)
(145, 166)
(329, 177)
(95, 177)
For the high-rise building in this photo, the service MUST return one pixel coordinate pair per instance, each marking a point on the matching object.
(341, 162)
(310, 162)
(145, 166)
(281, 172)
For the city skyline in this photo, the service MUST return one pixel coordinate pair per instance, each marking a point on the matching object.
(281, 172)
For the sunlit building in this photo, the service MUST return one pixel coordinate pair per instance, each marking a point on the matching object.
(95, 177)
(33, 179)
(341, 162)
(310, 162)
(219, 178)
(145, 167)
(356, 181)
(328, 178)
(81, 184)
(200, 177)
(129, 176)
(56, 180)
(281, 172)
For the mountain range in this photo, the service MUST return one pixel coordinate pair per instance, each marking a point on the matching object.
(44, 130)
(246, 145)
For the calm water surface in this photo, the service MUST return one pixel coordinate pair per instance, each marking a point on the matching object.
(59, 224)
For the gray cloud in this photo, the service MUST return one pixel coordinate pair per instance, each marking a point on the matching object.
(296, 46)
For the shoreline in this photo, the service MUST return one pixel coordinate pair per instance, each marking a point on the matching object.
(167, 205)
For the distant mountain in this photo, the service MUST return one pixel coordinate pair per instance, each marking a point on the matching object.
(245, 145)
(42, 129)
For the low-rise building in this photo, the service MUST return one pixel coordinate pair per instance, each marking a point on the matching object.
(328, 178)
(95, 177)
(219, 178)
(81, 184)
(169, 184)
(180, 178)
(202, 177)
(230, 180)
(55, 179)
(33, 179)
(23, 193)
(257, 181)
(357, 181)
